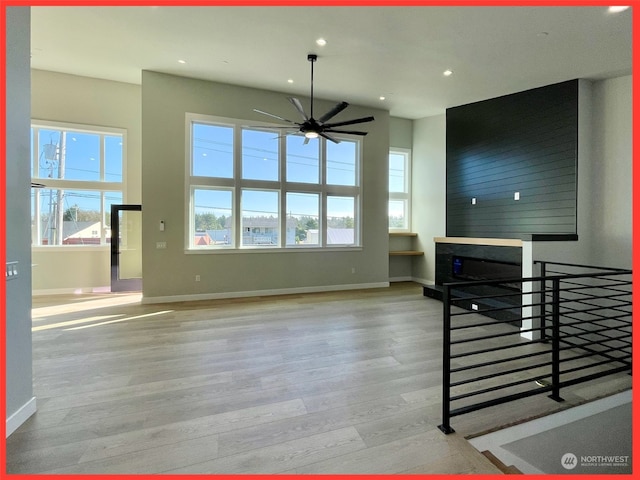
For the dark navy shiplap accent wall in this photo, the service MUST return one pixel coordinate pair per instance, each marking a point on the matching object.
(526, 142)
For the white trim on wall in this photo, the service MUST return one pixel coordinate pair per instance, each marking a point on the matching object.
(22, 415)
(261, 293)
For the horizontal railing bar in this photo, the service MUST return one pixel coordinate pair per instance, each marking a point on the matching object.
(545, 352)
(592, 365)
(498, 387)
(587, 332)
(496, 362)
(593, 376)
(496, 335)
(585, 346)
(619, 329)
(599, 318)
(588, 300)
(498, 401)
(610, 281)
(584, 299)
(529, 279)
(594, 267)
(496, 349)
(595, 353)
(499, 374)
(494, 322)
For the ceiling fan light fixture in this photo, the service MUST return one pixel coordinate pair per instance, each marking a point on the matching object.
(311, 134)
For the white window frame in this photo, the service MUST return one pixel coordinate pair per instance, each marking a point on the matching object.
(406, 195)
(237, 185)
(101, 185)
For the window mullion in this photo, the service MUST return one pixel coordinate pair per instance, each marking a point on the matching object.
(282, 156)
(237, 177)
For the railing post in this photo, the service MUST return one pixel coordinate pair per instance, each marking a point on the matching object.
(446, 361)
(543, 301)
(555, 342)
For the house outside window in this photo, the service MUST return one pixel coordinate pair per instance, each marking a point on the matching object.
(399, 189)
(78, 172)
(254, 188)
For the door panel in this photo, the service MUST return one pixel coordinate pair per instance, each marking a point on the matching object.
(126, 248)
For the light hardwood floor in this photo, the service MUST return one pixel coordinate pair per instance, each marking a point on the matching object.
(343, 382)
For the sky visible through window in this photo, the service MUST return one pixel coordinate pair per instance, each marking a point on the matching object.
(213, 154)
(76, 156)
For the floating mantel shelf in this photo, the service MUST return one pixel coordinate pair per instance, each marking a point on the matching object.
(402, 234)
(509, 242)
(499, 242)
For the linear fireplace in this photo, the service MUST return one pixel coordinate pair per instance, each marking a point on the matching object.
(470, 268)
(462, 260)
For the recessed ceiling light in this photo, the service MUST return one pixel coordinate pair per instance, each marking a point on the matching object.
(382, 98)
(617, 9)
(447, 73)
(321, 41)
(290, 80)
(182, 61)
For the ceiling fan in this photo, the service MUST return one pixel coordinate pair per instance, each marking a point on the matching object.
(314, 128)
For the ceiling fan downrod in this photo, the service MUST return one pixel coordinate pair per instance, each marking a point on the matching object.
(312, 58)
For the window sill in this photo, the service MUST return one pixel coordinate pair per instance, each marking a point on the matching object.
(241, 251)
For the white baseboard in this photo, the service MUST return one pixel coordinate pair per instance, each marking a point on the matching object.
(261, 293)
(423, 281)
(70, 291)
(400, 279)
(21, 416)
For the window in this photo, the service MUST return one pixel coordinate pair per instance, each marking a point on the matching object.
(399, 189)
(253, 188)
(80, 169)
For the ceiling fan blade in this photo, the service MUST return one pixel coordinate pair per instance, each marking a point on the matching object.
(296, 103)
(331, 130)
(328, 137)
(349, 122)
(272, 115)
(333, 112)
(293, 128)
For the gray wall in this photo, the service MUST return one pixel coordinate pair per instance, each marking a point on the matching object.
(19, 390)
(428, 192)
(70, 98)
(401, 267)
(170, 273)
(611, 188)
(604, 179)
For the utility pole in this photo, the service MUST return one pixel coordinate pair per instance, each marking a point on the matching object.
(60, 211)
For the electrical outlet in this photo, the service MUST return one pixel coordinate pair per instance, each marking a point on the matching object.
(197, 278)
(473, 201)
(474, 306)
(516, 196)
(353, 269)
(161, 244)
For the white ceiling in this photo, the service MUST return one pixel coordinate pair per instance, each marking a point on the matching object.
(397, 52)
